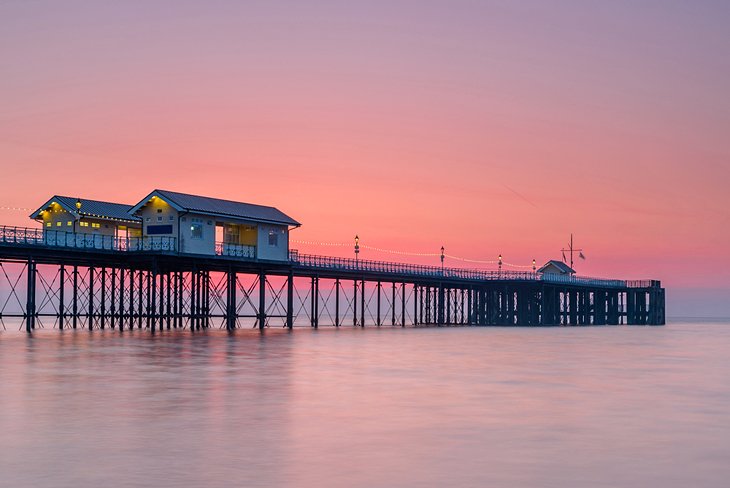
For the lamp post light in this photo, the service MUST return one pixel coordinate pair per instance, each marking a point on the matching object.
(357, 248)
(533, 266)
(78, 216)
(500, 265)
(442, 259)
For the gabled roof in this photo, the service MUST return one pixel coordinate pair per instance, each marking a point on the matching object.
(561, 267)
(90, 208)
(185, 202)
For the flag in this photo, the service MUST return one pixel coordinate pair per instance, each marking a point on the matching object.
(580, 255)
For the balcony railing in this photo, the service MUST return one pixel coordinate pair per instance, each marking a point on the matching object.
(235, 250)
(77, 240)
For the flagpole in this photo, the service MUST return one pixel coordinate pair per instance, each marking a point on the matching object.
(571, 250)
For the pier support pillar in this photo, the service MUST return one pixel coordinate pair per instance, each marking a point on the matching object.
(61, 292)
(290, 301)
(231, 300)
(337, 302)
(262, 301)
(30, 308)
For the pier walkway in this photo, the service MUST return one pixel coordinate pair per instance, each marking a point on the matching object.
(67, 280)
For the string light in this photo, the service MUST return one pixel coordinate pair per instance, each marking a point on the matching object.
(19, 209)
(408, 253)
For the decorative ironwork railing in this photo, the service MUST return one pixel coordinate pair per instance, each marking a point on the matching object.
(78, 240)
(235, 250)
(415, 270)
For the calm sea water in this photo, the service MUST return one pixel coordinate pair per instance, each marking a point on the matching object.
(431, 407)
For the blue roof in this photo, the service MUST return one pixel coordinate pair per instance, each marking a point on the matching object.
(224, 208)
(91, 208)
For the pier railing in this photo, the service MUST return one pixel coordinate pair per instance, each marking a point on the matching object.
(79, 240)
(235, 250)
(349, 264)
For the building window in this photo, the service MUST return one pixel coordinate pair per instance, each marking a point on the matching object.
(48, 224)
(159, 219)
(68, 224)
(171, 218)
(273, 238)
(159, 210)
(84, 224)
(95, 225)
(196, 231)
(58, 224)
(147, 219)
(159, 229)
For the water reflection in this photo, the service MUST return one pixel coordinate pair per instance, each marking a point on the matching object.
(611, 406)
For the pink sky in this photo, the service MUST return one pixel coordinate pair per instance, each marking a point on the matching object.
(482, 126)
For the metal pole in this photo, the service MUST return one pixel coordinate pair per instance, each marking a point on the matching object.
(75, 297)
(403, 304)
(114, 297)
(290, 301)
(61, 292)
(337, 302)
(354, 303)
(392, 317)
(90, 311)
(152, 299)
(140, 298)
(262, 301)
(30, 297)
(103, 298)
(377, 290)
(362, 305)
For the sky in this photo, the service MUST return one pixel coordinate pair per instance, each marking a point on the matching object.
(488, 127)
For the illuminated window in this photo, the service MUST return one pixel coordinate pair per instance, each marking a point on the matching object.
(95, 225)
(48, 224)
(84, 224)
(196, 231)
(68, 224)
(273, 238)
(59, 223)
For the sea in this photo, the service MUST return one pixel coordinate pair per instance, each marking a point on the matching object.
(602, 406)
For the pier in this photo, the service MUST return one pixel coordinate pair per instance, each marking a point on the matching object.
(68, 280)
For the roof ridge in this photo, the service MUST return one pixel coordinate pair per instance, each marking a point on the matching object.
(215, 198)
(92, 200)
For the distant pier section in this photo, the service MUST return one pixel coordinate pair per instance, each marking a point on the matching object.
(176, 260)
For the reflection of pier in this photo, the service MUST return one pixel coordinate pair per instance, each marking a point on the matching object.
(87, 282)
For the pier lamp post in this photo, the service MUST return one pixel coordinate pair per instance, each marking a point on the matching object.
(357, 248)
(442, 259)
(78, 216)
(500, 265)
(533, 266)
